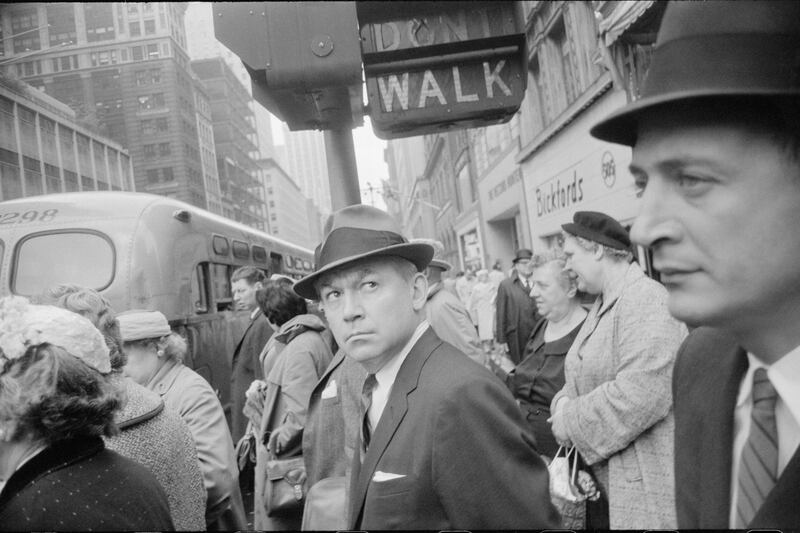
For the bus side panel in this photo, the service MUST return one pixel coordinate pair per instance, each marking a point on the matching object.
(212, 339)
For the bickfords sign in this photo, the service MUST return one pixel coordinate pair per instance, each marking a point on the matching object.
(558, 193)
(431, 66)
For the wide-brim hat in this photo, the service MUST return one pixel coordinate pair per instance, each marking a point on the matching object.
(359, 232)
(439, 263)
(713, 49)
(600, 228)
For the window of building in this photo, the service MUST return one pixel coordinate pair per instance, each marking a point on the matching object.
(149, 150)
(133, 8)
(152, 176)
(162, 124)
(135, 29)
(99, 21)
(24, 24)
(147, 7)
(61, 18)
(53, 178)
(168, 174)
(137, 53)
(155, 75)
(87, 183)
(148, 126)
(141, 77)
(152, 51)
(164, 149)
(149, 27)
(70, 181)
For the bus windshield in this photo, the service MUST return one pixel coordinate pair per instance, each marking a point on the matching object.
(47, 259)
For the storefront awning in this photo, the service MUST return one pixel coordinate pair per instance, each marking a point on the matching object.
(619, 17)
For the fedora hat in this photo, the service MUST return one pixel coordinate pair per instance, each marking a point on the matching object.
(715, 48)
(522, 253)
(359, 232)
(438, 252)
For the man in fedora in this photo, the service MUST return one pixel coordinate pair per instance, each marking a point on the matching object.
(616, 404)
(516, 313)
(716, 160)
(442, 444)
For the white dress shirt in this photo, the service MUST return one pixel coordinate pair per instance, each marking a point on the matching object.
(387, 374)
(784, 375)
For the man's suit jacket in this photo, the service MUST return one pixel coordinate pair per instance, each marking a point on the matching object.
(516, 316)
(451, 451)
(706, 380)
(245, 368)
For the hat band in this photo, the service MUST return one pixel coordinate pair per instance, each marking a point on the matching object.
(343, 243)
(725, 64)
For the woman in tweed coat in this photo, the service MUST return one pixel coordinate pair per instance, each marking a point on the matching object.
(616, 405)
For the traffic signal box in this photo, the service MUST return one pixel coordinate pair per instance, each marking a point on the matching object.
(304, 58)
(429, 66)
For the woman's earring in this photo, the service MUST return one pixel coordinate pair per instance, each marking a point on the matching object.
(160, 353)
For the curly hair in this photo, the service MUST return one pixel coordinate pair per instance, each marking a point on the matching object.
(615, 254)
(51, 396)
(94, 307)
(173, 345)
(280, 303)
(567, 278)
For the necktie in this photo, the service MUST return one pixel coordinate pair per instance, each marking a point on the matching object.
(366, 400)
(758, 466)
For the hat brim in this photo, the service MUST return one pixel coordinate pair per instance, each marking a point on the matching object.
(436, 263)
(621, 127)
(420, 254)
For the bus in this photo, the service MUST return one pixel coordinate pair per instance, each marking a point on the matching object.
(143, 251)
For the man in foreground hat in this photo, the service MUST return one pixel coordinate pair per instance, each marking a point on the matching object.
(716, 159)
(442, 443)
(616, 405)
(516, 310)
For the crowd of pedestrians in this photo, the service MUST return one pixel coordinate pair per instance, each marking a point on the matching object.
(367, 394)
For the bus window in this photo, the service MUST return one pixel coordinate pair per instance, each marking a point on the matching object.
(241, 250)
(46, 259)
(259, 254)
(221, 285)
(276, 266)
(220, 245)
(200, 289)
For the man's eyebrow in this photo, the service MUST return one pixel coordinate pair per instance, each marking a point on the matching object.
(355, 274)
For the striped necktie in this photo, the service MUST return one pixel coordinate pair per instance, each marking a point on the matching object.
(366, 401)
(758, 466)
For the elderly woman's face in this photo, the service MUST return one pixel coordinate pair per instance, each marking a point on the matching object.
(552, 300)
(143, 362)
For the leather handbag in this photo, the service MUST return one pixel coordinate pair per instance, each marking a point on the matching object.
(286, 484)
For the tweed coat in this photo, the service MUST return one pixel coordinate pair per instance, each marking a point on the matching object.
(187, 393)
(516, 315)
(708, 374)
(450, 320)
(450, 451)
(157, 438)
(79, 485)
(619, 376)
(245, 368)
(330, 437)
(303, 357)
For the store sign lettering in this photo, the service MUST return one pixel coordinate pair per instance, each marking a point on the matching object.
(504, 185)
(559, 194)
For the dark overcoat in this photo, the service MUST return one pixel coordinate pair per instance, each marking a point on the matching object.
(708, 371)
(516, 316)
(79, 485)
(451, 451)
(245, 368)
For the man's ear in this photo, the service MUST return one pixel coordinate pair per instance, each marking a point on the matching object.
(419, 291)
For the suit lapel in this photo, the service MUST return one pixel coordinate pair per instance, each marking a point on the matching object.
(393, 414)
(235, 354)
(779, 510)
(722, 383)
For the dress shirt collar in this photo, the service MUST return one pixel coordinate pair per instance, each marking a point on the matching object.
(254, 313)
(784, 374)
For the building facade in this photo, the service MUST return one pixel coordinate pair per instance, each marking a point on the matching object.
(289, 212)
(563, 169)
(234, 136)
(124, 70)
(307, 163)
(43, 150)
